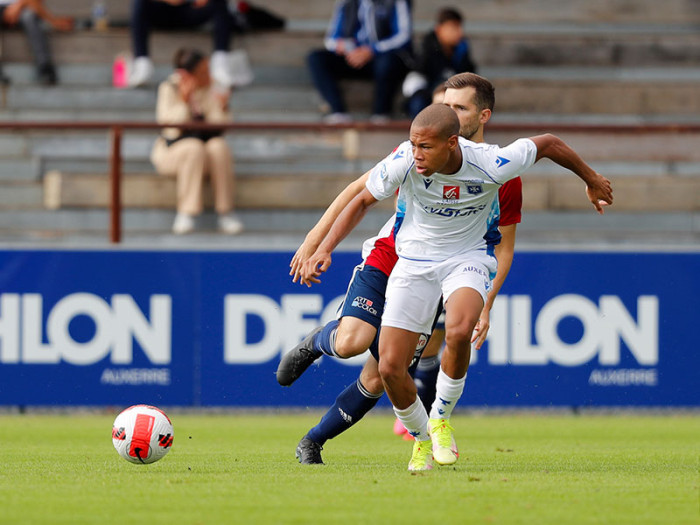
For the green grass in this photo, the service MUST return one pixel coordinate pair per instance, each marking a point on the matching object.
(233, 468)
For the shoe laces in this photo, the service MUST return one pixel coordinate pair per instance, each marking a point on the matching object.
(443, 432)
(421, 450)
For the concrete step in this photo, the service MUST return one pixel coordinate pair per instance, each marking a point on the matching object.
(314, 191)
(100, 75)
(20, 170)
(612, 147)
(21, 195)
(493, 45)
(616, 153)
(47, 224)
(550, 12)
(285, 230)
(267, 146)
(534, 11)
(291, 191)
(22, 74)
(618, 95)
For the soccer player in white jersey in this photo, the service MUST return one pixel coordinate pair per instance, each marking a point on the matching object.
(448, 190)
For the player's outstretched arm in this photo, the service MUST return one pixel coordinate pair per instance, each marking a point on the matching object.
(598, 188)
(323, 226)
(342, 226)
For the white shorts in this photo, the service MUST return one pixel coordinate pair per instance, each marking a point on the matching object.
(414, 288)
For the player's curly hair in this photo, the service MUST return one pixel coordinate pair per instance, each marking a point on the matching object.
(485, 97)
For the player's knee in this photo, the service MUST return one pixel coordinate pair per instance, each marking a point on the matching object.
(390, 371)
(460, 334)
(349, 343)
(373, 384)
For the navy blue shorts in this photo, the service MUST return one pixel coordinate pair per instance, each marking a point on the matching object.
(365, 300)
(365, 296)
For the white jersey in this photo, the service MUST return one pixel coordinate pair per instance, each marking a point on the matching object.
(445, 215)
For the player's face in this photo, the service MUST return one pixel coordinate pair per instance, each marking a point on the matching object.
(431, 152)
(462, 102)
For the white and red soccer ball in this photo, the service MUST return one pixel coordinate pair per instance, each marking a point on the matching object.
(142, 434)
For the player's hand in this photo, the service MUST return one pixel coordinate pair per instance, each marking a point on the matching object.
(481, 330)
(600, 193)
(317, 264)
(305, 251)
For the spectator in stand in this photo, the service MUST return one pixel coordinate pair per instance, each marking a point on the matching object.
(178, 14)
(444, 52)
(187, 96)
(31, 15)
(439, 93)
(365, 39)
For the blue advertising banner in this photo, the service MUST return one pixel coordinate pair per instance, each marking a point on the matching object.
(208, 329)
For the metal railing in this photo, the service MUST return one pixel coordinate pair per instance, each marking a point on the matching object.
(116, 130)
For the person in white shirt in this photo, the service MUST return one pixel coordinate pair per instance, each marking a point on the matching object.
(448, 209)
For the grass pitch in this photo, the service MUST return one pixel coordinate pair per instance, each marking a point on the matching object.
(233, 468)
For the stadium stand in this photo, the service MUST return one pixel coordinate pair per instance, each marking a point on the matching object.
(581, 66)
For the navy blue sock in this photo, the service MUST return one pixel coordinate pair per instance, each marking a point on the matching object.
(350, 406)
(426, 380)
(324, 341)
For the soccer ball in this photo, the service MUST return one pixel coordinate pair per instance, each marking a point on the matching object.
(142, 434)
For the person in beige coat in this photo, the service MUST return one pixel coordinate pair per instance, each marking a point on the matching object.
(190, 155)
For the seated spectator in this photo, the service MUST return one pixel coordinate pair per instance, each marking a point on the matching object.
(444, 52)
(179, 14)
(187, 96)
(439, 93)
(31, 15)
(365, 39)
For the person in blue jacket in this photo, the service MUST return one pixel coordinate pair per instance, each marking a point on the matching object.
(365, 39)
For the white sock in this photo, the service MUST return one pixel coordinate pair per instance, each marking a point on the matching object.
(415, 419)
(448, 392)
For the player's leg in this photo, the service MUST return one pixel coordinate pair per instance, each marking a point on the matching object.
(465, 286)
(413, 293)
(350, 406)
(428, 368)
(426, 372)
(395, 350)
(356, 331)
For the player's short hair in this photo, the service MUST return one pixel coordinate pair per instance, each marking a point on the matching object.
(448, 14)
(485, 97)
(439, 117)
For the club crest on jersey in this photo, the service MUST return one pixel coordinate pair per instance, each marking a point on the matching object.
(474, 189)
(501, 161)
(450, 192)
